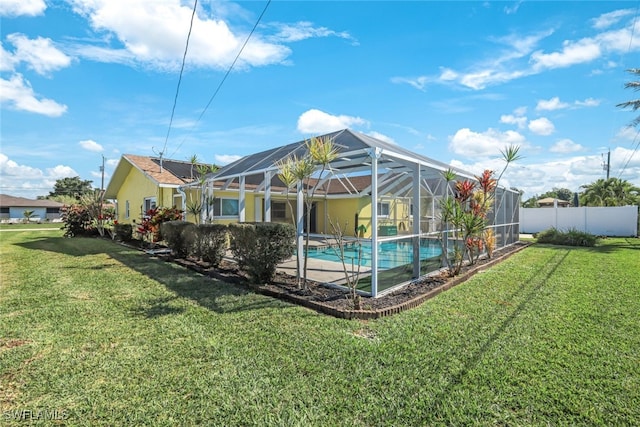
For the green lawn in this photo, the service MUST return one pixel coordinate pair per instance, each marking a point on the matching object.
(107, 336)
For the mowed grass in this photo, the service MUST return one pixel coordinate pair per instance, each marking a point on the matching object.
(108, 336)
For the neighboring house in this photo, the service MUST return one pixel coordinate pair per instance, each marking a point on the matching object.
(550, 202)
(140, 183)
(12, 209)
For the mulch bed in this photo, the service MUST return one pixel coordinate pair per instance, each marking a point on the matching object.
(336, 302)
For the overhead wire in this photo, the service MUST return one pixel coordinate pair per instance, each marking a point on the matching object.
(215, 93)
(633, 27)
(184, 58)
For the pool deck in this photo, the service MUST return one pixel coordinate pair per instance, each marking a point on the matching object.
(325, 271)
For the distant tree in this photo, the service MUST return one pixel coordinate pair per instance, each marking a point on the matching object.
(610, 192)
(531, 202)
(634, 104)
(65, 200)
(555, 193)
(74, 187)
(563, 193)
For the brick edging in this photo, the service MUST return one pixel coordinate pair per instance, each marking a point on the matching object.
(388, 311)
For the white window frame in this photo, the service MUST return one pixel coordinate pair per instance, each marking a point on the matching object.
(218, 212)
(380, 209)
(151, 201)
(127, 212)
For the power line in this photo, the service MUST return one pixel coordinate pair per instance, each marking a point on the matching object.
(215, 93)
(184, 57)
(632, 153)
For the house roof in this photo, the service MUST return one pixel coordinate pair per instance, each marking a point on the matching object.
(353, 149)
(21, 202)
(350, 172)
(551, 201)
(172, 173)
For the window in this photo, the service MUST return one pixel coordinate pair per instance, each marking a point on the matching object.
(149, 203)
(53, 210)
(4, 210)
(279, 211)
(126, 209)
(225, 207)
(383, 209)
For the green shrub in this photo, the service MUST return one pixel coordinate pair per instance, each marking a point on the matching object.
(123, 232)
(211, 242)
(572, 237)
(76, 221)
(260, 247)
(180, 237)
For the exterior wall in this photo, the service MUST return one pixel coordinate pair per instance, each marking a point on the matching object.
(342, 212)
(17, 213)
(605, 221)
(135, 188)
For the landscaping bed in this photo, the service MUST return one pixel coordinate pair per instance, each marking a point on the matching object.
(335, 301)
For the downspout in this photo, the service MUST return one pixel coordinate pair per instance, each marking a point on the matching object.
(184, 202)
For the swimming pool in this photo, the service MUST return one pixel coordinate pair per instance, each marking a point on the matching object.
(390, 254)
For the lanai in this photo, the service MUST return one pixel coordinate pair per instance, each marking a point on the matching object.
(371, 171)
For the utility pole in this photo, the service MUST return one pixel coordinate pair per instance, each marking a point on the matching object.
(102, 170)
(607, 165)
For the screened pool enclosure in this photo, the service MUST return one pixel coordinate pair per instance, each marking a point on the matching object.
(387, 198)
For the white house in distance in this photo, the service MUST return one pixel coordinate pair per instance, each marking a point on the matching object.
(12, 209)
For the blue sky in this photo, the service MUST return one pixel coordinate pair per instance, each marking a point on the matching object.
(454, 81)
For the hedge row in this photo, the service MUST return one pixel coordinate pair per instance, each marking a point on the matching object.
(257, 247)
(205, 241)
(570, 237)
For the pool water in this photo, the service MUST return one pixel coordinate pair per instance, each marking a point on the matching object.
(390, 254)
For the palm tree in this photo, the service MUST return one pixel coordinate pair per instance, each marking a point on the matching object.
(610, 192)
(28, 215)
(634, 103)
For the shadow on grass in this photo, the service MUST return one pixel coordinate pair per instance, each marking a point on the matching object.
(212, 294)
(528, 295)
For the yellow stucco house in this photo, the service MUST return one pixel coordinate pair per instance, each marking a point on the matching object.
(140, 183)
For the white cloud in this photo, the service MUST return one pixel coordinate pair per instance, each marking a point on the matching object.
(223, 159)
(551, 104)
(417, 82)
(471, 144)
(39, 54)
(316, 121)
(607, 19)
(11, 8)
(305, 30)
(542, 126)
(573, 52)
(9, 168)
(627, 133)
(565, 146)
(91, 145)
(7, 60)
(154, 33)
(511, 119)
(18, 94)
(112, 162)
(28, 181)
(60, 171)
(512, 8)
(589, 102)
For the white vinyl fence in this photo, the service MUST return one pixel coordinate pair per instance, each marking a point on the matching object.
(602, 221)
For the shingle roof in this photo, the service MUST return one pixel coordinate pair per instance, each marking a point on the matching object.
(13, 201)
(175, 172)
